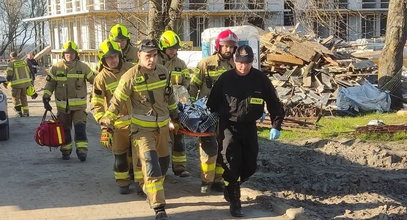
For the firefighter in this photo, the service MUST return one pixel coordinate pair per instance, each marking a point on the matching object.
(147, 85)
(238, 97)
(120, 34)
(19, 78)
(208, 71)
(67, 79)
(104, 86)
(169, 44)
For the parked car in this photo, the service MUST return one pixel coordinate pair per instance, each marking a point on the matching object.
(4, 122)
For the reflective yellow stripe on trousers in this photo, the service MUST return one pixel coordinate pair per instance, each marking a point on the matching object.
(208, 167)
(71, 102)
(150, 121)
(154, 187)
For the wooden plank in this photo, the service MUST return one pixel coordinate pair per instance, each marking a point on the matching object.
(330, 60)
(307, 81)
(301, 51)
(286, 58)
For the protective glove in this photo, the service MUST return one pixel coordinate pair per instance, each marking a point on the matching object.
(174, 126)
(47, 106)
(35, 96)
(106, 122)
(274, 134)
(106, 138)
(263, 117)
(5, 85)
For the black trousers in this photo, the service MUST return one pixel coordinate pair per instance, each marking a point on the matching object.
(239, 150)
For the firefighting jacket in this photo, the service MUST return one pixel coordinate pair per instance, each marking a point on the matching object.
(240, 99)
(152, 101)
(18, 74)
(130, 54)
(104, 85)
(68, 81)
(179, 70)
(205, 75)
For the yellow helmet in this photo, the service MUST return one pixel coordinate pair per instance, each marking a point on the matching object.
(70, 46)
(119, 32)
(109, 47)
(169, 39)
(30, 91)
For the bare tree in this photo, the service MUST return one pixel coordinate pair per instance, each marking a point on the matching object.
(163, 14)
(391, 60)
(17, 33)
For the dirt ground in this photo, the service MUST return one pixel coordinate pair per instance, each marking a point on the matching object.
(329, 179)
(335, 179)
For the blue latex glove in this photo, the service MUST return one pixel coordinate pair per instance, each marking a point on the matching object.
(274, 134)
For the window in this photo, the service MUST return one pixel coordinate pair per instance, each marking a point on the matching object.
(383, 24)
(384, 4)
(234, 21)
(368, 26)
(288, 13)
(341, 27)
(255, 4)
(368, 3)
(197, 5)
(256, 21)
(197, 25)
(341, 4)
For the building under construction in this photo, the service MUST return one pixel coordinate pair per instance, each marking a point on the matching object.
(87, 22)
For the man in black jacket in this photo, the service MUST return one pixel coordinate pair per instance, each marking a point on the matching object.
(238, 97)
(32, 64)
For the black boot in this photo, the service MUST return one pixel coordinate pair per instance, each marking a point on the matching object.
(160, 213)
(234, 197)
(66, 155)
(82, 154)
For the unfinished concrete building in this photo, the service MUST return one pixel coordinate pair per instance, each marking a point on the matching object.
(87, 22)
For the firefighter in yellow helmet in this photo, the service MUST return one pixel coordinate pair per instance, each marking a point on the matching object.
(67, 80)
(169, 44)
(117, 140)
(19, 77)
(120, 34)
(208, 71)
(148, 87)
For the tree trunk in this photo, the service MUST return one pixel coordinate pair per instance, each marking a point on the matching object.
(391, 60)
(155, 19)
(174, 13)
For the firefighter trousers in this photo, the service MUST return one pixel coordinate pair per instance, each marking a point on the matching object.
(152, 145)
(20, 100)
(125, 158)
(208, 151)
(179, 158)
(78, 119)
(239, 150)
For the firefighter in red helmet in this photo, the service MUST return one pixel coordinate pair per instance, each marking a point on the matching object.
(208, 71)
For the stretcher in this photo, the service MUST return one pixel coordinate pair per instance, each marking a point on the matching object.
(195, 134)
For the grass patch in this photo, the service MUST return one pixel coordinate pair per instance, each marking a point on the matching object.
(329, 127)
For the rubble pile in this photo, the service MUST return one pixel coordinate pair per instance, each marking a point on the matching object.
(307, 74)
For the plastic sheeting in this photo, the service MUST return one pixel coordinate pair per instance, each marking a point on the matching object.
(197, 118)
(363, 98)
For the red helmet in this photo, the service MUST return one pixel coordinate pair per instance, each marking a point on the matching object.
(224, 37)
